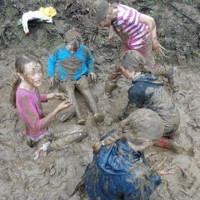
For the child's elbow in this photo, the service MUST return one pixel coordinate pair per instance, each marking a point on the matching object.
(152, 22)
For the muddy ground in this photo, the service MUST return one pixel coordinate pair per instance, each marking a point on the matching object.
(55, 176)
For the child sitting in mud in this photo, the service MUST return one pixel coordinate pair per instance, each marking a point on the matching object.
(75, 64)
(137, 32)
(119, 169)
(147, 91)
(26, 97)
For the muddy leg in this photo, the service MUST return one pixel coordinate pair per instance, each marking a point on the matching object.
(111, 82)
(67, 114)
(76, 135)
(70, 87)
(151, 66)
(147, 52)
(126, 111)
(83, 86)
(157, 69)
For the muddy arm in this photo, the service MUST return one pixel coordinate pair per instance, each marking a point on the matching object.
(126, 111)
(52, 63)
(89, 60)
(31, 117)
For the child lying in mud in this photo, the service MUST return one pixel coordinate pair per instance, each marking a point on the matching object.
(147, 91)
(119, 169)
(75, 64)
(137, 32)
(26, 97)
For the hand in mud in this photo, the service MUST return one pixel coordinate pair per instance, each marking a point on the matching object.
(60, 96)
(63, 105)
(158, 48)
(168, 171)
(51, 82)
(92, 76)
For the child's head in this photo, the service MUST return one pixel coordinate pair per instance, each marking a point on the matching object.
(73, 40)
(28, 69)
(101, 13)
(132, 61)
(143, 126)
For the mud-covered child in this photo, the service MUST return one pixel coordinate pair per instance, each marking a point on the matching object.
(75, 63)
(147, 91)
(119, 169)
(26, 97)
(137, 32)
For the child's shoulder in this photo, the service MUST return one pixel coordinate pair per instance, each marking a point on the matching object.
(24, 93)
(61, 47)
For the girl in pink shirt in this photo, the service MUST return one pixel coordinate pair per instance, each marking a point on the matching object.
(137, 32)
(26, 97)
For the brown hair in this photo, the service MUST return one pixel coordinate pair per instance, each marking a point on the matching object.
(99, 10)
(133, 61)
(20, 64)
(73, 36)
(143, 123)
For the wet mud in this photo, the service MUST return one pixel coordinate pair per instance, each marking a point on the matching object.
(56, 175)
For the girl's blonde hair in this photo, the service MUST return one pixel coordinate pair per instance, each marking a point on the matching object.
(143, 124)
(20, 64)
(133, 61)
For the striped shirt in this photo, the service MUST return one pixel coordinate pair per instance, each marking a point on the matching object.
(128, 21)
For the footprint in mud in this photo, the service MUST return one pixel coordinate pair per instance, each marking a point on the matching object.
(50, 171)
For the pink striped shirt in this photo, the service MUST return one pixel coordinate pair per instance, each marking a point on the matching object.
(128, 20)
(30, 109)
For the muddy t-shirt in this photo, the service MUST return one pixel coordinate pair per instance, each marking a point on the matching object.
(30, 109)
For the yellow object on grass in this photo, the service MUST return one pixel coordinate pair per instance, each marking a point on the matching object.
(48, 11)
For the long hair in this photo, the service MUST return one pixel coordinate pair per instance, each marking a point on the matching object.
(20, 65)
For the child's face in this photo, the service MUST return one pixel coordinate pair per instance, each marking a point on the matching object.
(73, 46)
(127, 73)
(33, 74)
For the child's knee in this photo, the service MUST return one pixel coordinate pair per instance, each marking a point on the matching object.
(83, 83)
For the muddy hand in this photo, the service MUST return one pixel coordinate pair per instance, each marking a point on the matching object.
(158, 48)
(64, 105)
(60, 96)
(56, 96)
(92, 76)
(51, 82)
(170, 171)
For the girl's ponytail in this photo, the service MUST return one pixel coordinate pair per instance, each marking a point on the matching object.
(15, 84)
